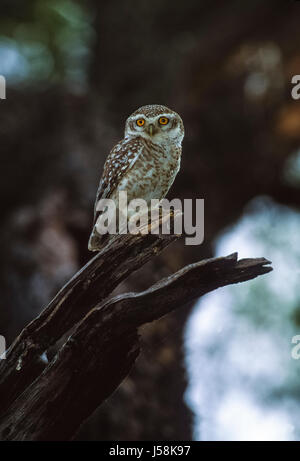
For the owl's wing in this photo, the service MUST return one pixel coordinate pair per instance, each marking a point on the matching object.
(119, 161)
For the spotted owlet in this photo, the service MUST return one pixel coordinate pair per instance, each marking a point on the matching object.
(144, 163)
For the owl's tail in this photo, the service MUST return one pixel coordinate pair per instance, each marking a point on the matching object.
(97, 241)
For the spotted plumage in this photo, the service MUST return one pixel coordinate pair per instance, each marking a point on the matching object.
(144, 163)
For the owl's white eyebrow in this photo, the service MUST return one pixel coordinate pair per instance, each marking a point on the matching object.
(151, 119)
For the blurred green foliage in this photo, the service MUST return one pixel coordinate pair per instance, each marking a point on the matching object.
(45, 41)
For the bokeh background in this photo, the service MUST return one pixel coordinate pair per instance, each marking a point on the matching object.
(220, 370)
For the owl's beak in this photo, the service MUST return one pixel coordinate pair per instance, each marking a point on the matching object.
(151, 129)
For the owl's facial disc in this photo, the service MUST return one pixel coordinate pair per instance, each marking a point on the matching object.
(159, 126)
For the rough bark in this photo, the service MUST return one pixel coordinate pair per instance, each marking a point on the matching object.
(49, 401)
(93, 283)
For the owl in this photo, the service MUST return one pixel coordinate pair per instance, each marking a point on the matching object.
(144, 163)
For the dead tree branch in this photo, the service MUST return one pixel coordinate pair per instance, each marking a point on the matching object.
(41, 401)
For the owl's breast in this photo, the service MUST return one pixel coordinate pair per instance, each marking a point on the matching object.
(152, 174)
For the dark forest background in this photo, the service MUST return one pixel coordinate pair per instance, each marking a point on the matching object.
(75, 71)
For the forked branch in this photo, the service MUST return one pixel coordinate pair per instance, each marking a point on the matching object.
(50, 401)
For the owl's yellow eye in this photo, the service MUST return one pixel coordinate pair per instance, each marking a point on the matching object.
(163, 120)
(140, 122)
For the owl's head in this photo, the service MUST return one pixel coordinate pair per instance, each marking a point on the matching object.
(157, 123)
